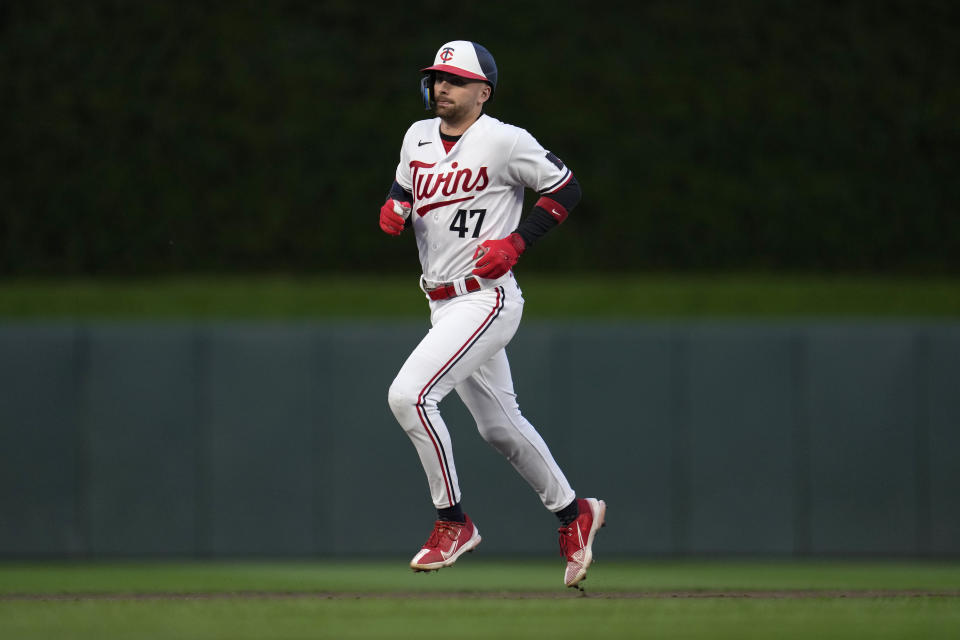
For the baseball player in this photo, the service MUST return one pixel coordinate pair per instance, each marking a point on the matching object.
(459, 184)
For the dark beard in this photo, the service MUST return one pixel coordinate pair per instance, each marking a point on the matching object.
(455, 114)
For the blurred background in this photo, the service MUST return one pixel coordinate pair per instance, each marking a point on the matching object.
(157, 137)
(216, 144)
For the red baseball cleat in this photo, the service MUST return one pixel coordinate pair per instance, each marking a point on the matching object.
(576, 541)
(447, 542)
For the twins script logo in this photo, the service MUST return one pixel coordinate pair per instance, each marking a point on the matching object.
(426, 185)
(447, 54)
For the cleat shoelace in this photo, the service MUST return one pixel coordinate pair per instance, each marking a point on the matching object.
(448, 529)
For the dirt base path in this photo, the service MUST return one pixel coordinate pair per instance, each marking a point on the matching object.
(488, 595)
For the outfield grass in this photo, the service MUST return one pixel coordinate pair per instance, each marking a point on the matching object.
(895, 618)
(475, 574)
(640, 296)
(480, 598)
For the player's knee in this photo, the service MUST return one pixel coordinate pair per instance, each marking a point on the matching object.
(497, 435)
(402, 400)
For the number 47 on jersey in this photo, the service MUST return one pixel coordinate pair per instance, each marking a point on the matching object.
(465, 217)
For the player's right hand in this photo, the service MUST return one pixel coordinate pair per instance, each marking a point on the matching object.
(390, 219)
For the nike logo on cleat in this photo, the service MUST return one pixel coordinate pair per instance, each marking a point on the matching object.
(446, 554)
(421, 143)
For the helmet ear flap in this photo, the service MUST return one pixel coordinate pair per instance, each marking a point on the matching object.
(426, 91)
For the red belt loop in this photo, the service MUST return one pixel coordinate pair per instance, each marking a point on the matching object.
(444, 291)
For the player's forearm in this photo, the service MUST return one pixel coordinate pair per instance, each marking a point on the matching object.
(399, 193)
(549, 211)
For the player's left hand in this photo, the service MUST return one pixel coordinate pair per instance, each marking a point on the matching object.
(498, 256)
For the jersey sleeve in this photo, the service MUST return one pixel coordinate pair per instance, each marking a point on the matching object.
(536, 168)
(403, 176)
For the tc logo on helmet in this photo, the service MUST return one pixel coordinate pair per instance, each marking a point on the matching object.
(446, 54)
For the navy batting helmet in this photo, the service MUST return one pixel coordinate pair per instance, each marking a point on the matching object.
(460, 58)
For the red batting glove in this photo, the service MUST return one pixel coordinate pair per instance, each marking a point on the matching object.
(498, 256)
(390, 221)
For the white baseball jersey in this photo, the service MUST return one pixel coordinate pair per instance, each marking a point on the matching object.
(473, 193)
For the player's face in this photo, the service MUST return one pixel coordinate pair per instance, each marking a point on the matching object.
(458, 97)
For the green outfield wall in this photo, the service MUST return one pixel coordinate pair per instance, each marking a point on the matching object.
(223, 440)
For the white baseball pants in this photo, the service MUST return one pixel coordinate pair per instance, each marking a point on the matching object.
(464, 350)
